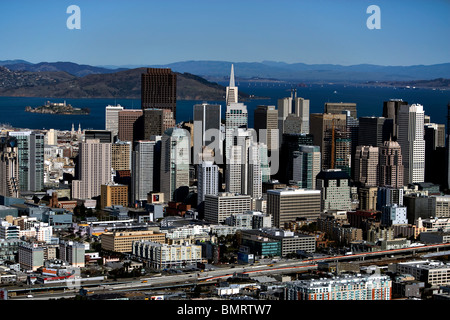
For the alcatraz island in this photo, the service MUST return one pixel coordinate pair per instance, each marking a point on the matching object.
(58, 108)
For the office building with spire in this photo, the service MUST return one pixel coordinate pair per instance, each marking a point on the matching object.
(231, 91)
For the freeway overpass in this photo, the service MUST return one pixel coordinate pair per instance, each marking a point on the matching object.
(192, 278)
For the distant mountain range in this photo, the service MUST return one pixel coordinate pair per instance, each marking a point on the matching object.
(220, 70)
(114, 84)
(197, 79)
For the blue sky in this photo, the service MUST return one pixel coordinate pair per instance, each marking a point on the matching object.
(138, 32)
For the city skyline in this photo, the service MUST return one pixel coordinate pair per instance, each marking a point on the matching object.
(293, 191)
(148, 32)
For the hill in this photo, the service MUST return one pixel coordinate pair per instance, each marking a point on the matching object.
(219, 71)
(122, 84)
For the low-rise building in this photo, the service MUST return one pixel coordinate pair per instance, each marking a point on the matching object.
(161, 256)
(122, 241)
(435, 237)
(31, 256)
(347, 287)
(431, 272)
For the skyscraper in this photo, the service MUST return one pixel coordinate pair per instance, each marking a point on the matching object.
(435, 153)
(373, 131)
(207, 132)
(243, 170)
(331, 135)
(156, 121)
(9, 167)
(121, 155)
(306, 166)
(236, 116)
(128, 121)
(302, 111)
(175, 160)
(411, 140)
(231, 90)
(390, 111)
(94, 162)
(112, 118)
(284, 110)
(266, 125)
(159, 89)
(31, 159)
(207, 180)
(390, 165)
(366, 165)
(292, 142)
(104, 136)
(143, 169)
(338, 107)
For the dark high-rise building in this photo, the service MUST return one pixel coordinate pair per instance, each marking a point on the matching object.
(206, 130)
(266, 125)
(390, 165)
(156, 121)
(435, 153)
(159, 89)
(128, 124)
(105, 136)
(331, 134)
(373, 131)
(390, 111)
(292, 142)
(338, 107)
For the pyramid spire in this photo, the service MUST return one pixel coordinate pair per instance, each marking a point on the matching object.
(232, 76)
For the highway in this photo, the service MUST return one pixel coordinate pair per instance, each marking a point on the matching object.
(190, 278)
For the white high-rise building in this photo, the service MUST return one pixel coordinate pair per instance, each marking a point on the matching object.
(284, 109)
(232, 90)
(236, 117)
(143, 169)
(302, 111)
(207, 180)
(254, 176)
(244, 167)
(94, 169)
(175, 159)
(112, 119)
(412, 143)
